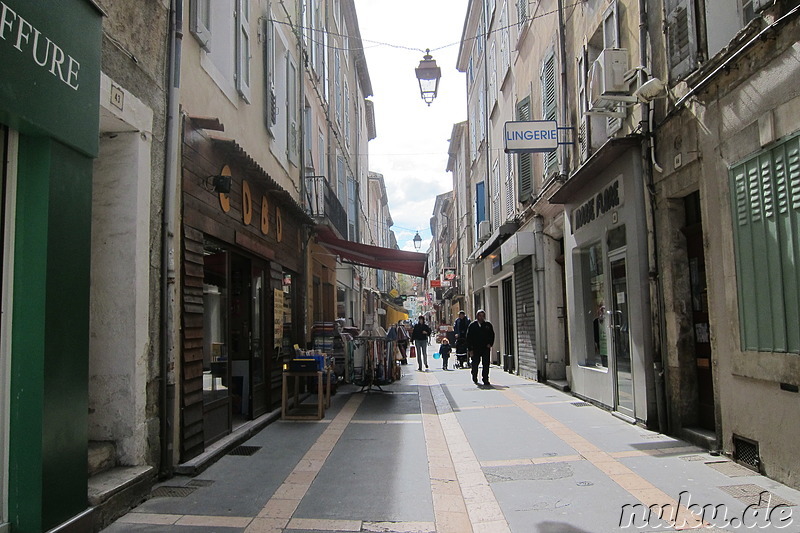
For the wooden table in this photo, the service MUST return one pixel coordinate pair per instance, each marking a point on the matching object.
(323, 397)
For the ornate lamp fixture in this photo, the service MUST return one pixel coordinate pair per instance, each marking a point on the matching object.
(428, 75)
(417, 238)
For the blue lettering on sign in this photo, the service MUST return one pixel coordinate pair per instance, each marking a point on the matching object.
(532, 135)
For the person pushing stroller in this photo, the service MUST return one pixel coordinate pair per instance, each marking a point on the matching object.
(460, 329)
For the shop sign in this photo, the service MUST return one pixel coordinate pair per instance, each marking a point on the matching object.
(524, 137)
(496, 261)
(448, 274)
(517, 247)
(607, 199)
(50, 71)
(436, 283)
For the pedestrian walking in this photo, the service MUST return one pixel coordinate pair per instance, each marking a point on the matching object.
(420, 336)
(480, 338)
(444, 351)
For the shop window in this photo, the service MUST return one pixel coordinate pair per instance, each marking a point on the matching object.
(215, 322)
(765, 200)
(595, 315)
(288, 289)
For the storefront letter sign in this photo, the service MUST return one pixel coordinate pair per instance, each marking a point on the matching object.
(609, 198)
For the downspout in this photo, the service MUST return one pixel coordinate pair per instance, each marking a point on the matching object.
(168, 278)
(648, 165)
(541, 301)
(302, 167)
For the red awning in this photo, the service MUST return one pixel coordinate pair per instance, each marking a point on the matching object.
(393, 260)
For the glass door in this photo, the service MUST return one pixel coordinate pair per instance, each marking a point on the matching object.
(620, 336)
(258, 386)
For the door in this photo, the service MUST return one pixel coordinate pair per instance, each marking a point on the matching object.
(258, 382)
(620, 337)
(702, 335)
(508, 329)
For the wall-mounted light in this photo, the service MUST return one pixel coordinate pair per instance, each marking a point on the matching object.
(220, 183)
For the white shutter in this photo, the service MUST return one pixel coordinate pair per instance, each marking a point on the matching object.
(509, 188)
(200, 22)
(681, 37)
(243, 48)
(584, 129)
(270, 101)
(496, 206)
(492, 77)
(611, 40)
(291, 109)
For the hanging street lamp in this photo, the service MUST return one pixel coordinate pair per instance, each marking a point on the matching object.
(428, 75)
(417, 238)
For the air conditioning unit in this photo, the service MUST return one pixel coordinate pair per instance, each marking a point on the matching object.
(607, 84)
(484, 230)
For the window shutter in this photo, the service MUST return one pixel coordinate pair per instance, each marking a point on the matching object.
(346, 102)
(480, 205)
(766, 220)
(291, 109)
(200, 22)
(522, 12)
(243, 48)
(505, 44)
(584, 129)
(509, 188)
(681, 37)
(548, 80)
(496, 206)
(611, 26)
(337, 80)
(524, 161)
(492, 77)
(270, 110)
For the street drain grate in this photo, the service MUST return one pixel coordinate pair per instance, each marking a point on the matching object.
(200, 483)
(693, 457)
(244, 450)
(580, 404)
(171, 492)
(755, 496)
(584, 483)
(731, 469)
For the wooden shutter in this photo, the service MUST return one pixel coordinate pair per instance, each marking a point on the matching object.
(766, 220)
(584, 128)
(524, 161)
(681, 37)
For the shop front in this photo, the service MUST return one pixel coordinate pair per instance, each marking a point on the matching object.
(242, 289)
(607, 283)
(49, 114)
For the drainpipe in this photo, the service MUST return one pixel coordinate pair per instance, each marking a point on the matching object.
(168, 288)
(563, 163)
(648, 163)
(541, 299)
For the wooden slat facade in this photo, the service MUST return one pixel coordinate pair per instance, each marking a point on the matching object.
(202, 218)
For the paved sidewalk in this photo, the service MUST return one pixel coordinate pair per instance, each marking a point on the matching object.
(436, 453)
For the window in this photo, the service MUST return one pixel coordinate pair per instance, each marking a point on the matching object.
(596, 320)
(524, 161)
(243, 48)
(352, 209)
(549, 104)
(337, 86)
(766, 221)
(346, 114)
(322, 156)
(200, 21)
(584, 132)
(492, 77)
(505, 45)
(341, 192)
(480, 204)
(681, 37)
(215, 322)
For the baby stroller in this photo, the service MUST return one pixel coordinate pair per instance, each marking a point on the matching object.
(462, 358)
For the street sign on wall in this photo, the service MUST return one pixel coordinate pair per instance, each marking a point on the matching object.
(530, 136)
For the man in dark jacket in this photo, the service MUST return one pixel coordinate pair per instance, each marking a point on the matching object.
(419, 336)
(480, 338)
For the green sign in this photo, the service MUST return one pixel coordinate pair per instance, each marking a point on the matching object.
(50, 69)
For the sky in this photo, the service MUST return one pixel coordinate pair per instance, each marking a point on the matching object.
(412, 141)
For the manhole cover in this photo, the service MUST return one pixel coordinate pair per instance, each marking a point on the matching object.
(755, 495)
(244, 450)
(546, 471)
(171, 492)
(200, 483)
(731, 469)
(581, 404)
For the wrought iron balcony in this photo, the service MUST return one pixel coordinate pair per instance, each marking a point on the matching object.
(323, 205)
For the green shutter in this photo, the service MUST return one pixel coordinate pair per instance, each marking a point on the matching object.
(766, 216)
(525, 167)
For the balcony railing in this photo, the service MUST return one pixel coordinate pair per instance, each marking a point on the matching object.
(323, 205)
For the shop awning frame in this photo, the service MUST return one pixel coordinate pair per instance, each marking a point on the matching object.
(390, 259)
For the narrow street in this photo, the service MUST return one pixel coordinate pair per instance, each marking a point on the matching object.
(436, 453)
